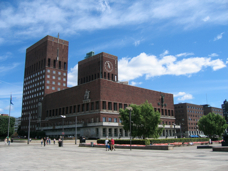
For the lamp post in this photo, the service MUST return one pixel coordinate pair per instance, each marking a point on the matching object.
(76, 130)
(174, 130)
(63, 116)
(29, 128)
(130, 109)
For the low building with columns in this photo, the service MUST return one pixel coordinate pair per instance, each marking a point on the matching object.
(93, 105)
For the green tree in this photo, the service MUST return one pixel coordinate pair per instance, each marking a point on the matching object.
(212, 124)
(4, 126)
(144, 121)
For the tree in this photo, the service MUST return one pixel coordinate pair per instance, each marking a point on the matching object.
(4, 126)
(212, 124)
(144, 121)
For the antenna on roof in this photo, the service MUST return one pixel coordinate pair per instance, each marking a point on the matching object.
(58, 49)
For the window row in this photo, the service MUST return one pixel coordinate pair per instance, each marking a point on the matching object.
(53, 88)
(54, 64)
(35, 67)
(34, 75)
(54, 72)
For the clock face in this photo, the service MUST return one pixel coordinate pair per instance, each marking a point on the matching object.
(108, 66)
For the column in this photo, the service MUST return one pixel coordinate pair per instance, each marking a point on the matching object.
(112, 132)
(100, 132)
(106, 132)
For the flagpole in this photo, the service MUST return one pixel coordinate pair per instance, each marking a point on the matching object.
(9, 116)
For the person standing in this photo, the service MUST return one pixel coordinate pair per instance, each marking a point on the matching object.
(5, 141)
(41, 141)
(44, 141)
(106, 144)
(54, 141)
(112, 144)
(9, 141)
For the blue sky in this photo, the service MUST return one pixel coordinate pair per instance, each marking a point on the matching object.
(178, 47)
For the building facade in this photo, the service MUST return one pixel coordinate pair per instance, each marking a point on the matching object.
(45, 72)
(209, 109)
(225, 109)
(92, 107)
(187, 116)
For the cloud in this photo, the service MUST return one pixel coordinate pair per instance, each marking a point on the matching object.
(164, 53)
(5, 69)
(1, 110)
(72, 76)
(35, 18)
(135, 83)
(5, 56)
(227, 61)
(219, 36)
(206, 19)
(184, 54)
(152, 66)
(136, 43)
(183, 96)
(213, 55)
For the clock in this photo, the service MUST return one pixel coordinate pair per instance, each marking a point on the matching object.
(108, 66)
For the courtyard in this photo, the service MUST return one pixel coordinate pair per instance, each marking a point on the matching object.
(20, 156)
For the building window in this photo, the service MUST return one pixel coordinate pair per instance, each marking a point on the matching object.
(104, 75)
(59, 83)
(104, 132)
(48, 70)
(54, 72)
(92, 106)
(104, 119)
(120, 121)
(63, 111)
(59, 73)
(48, 76)
(53, 82)
(87, 106)
(65, 66)
(115, 106)
(53, 77)
(97, 104)
(115, 132)
(120, 105)
(64, 84)
(59, 64)
(59, 78)
(115, 119)
(125, 106)
(53, 88)
(54, 63)
(108, 76)
(109, 105)
(47, 87)
(110, 119)
(48, 81)
(78, 108)
(58, 89)
(104, 104)
(74, 108)
(64, 79)
(49, 61)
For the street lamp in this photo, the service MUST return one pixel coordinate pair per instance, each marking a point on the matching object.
(63, 116)
(130, 109)
(29, 128)
(174, 130)
(76, 130)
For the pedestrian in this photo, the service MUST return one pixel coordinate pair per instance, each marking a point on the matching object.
(5, 141)
(41, 141)
(9, 141)
(106, 144)
(54, 141)
(44, 141)
(49, 141)
(112, 144)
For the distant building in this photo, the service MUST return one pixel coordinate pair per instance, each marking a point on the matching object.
(17, 123)
(4, 115)
(208, 109)
(187, 116)
(225, 109)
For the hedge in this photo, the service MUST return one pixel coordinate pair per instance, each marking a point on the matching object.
(153, 141)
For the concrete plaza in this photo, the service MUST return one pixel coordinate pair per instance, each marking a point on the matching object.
(20, 156)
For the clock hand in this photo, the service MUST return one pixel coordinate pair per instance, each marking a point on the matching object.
(108, 65)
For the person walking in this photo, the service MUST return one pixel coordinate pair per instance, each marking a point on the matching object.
(54, 141)
(5, 141)
(9, 141)
(41, 141)
(44, 141)
(106, 144)
(112, 144)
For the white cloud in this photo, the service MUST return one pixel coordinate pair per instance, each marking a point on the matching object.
(36, 18)
(227, 61)
(206, 19)
(219, 36)
(5, 69)
(136, 43)
(135, 83)
(1, 110)
(5, 56)
(152, 66)
(72, 76)
(184, 54)
(213, 55)
(166, 52)
(183, 96)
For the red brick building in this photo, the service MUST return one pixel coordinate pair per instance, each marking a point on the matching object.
(45, 73)
(95, 101)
